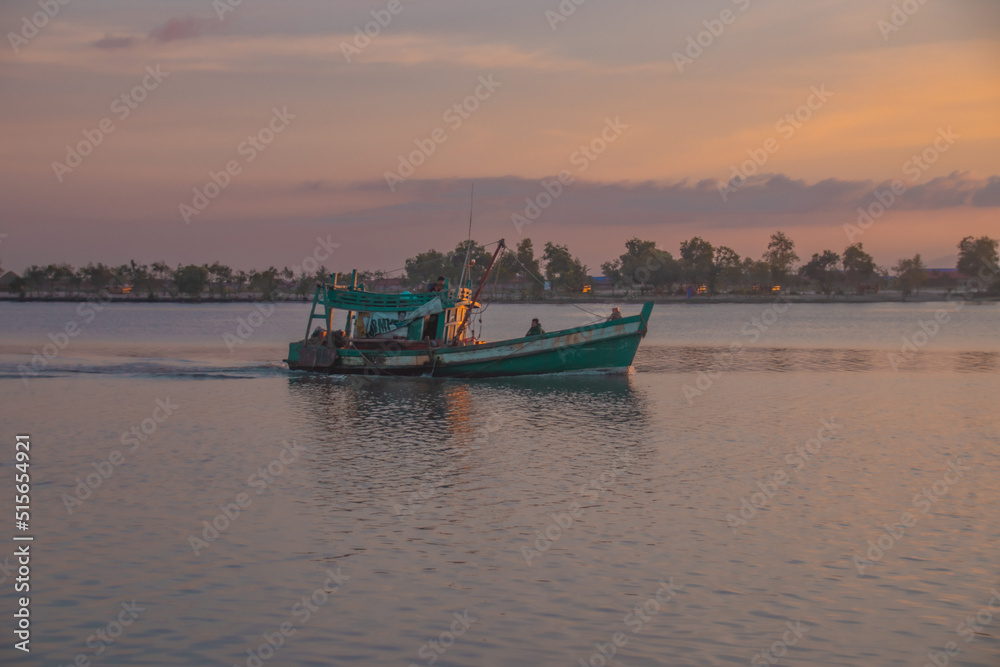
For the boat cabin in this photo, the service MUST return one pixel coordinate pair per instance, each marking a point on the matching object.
(411, 319)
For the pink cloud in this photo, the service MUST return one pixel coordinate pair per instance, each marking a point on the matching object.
(631, 203)
(182, 28)
(111, 43)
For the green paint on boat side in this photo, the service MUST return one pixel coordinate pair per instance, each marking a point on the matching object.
(612, 353)
(584, 328)
(608, 345)
(295, 348)
(647, 310)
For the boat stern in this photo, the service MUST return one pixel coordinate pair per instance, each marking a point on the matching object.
(293, 353)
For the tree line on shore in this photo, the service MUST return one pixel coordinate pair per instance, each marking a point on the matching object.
(642, 267)
(711, 269)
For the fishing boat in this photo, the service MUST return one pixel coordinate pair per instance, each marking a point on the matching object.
(428, 334)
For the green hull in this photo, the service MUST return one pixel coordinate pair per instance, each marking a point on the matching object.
(606, 346)
(614, 354)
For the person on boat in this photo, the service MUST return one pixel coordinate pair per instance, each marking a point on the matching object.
(615, 315)
(536, 328)
(318, 334)
(436, 286)
(430, 327)
(339, 338)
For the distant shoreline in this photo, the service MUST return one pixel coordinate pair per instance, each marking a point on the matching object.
(885, 297)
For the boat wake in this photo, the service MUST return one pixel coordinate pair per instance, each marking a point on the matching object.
(148, 368)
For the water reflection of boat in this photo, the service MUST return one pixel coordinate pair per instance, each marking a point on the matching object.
(427, 333)
(426, 418)
(387, 450)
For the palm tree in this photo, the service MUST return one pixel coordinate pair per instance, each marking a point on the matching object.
(161, 271)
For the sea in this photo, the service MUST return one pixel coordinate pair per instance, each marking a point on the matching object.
(772, 483)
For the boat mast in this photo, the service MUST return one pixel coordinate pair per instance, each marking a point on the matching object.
(329, 310)
(475, 298)
(348, 333)
(468, 243)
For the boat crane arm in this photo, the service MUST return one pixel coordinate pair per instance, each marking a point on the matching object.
(475, 298)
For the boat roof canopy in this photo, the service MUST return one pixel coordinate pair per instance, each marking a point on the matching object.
(362, 300)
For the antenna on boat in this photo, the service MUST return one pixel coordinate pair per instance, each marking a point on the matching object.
(468, 243)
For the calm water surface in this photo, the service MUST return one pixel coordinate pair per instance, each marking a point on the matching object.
(789, 481)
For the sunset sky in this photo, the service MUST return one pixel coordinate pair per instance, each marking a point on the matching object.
(835, 99)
